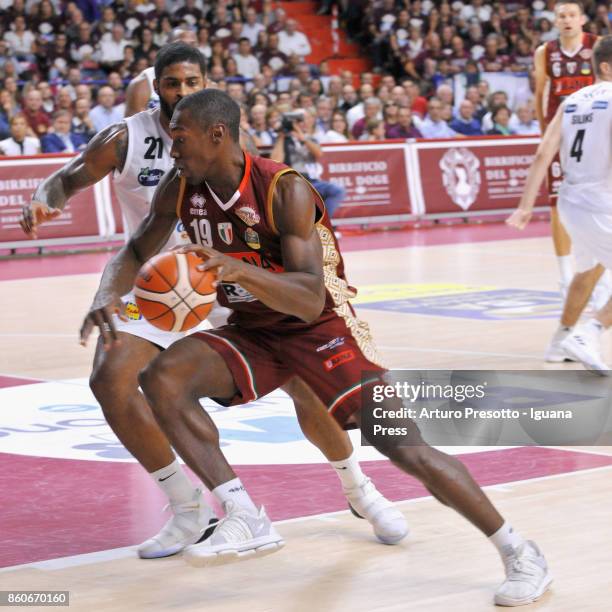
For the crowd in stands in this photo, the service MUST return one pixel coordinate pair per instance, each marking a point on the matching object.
(64, 65)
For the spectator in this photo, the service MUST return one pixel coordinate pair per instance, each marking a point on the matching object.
(497, 98)
(465, 123)
(247, 64)
(105, 113)
(63, 100)
(405, 127)
(83, 50)
(374, 130)
(62, 139)
(297, 147)
(48, 103)
(290, 41)
(273, 56)
(37, 119)
(358, 111)
(501, 121)
(203, 43)
(81, 121)
(390, 111)
(527, 123)
(252, 27)
(433, 126)
(19, 143)
(260, 132)
(324, 116)
(112, 50)
(372, 110)
(338, 131)
(493, 60)
(21, 40)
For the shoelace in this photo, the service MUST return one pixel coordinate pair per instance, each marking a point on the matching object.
(520, 565)
(233, 528)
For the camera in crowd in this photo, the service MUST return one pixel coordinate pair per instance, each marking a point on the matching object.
(289, 119)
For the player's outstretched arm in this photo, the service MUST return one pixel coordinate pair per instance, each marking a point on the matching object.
(544, 155)
(299, 291)
(106, 151)
(120, 272)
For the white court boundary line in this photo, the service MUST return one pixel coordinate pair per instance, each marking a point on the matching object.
(114, 554)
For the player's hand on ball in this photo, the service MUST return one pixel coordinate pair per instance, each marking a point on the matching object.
(101, 315)
(34, 214)
(519, 218)
(225, 267)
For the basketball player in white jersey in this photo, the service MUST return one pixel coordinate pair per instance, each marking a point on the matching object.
(582, 131)
(140, 93)
(137, 152)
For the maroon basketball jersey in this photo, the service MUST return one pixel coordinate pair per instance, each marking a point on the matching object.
(244, 228)
(567, 73)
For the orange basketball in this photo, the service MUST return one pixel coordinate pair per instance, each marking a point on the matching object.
(172, 293)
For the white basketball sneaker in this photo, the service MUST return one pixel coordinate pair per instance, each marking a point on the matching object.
(527, 576)
(583, 344)
(554, 352)
(367, 502)
(239, 535)
(191, 522)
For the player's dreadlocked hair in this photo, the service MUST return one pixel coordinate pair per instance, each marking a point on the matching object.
(213, 106)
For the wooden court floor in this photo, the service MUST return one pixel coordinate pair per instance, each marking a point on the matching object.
(328, 563)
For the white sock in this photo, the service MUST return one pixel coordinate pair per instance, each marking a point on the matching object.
(505, 539)
(234, 491)
(173, 481)
(349, 472)
(566, 268)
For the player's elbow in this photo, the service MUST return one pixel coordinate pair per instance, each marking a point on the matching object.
(313, 307)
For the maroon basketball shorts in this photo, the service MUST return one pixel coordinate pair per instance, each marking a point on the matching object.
(327, 356)
(554, 179)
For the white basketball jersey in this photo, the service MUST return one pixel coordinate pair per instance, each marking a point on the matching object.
(586, 147)
(149, 73)
(147, 160)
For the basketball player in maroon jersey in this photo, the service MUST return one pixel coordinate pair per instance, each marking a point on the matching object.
(280, 270)
(562, 67)
(181, 70)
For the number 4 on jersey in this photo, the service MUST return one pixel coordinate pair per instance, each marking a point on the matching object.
(577, 146)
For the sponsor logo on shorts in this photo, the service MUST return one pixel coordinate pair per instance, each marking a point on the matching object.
(251, 237)
(132, 312)
(331, 344)
(248, 215)
(150, 177)
(235, 293)
(338, 360)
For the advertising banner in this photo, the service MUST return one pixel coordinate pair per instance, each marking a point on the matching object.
(474, 175)
(375, 179)
(18, 180)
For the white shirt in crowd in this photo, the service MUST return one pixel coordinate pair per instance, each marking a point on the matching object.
(528, 129)
(248, 65)
(333, 137)
(434, 129)
(102, 117)
(20, 45)
(29, 146)
(112, 51)
(296, 43)
(252, 32)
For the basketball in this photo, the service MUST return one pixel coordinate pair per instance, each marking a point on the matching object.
(172, 294)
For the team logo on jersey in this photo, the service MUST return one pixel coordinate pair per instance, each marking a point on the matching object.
(461, 176)
(150, 177)
(226, 232)
(586, 54)
(571, 67)
(198, 200)
(251, 237)
(586, 68)
(248, 215)
(556, 68)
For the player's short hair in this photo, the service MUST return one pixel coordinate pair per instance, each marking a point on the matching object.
(579, 4)
(213, 106)
(176, 53)
(602, 52)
